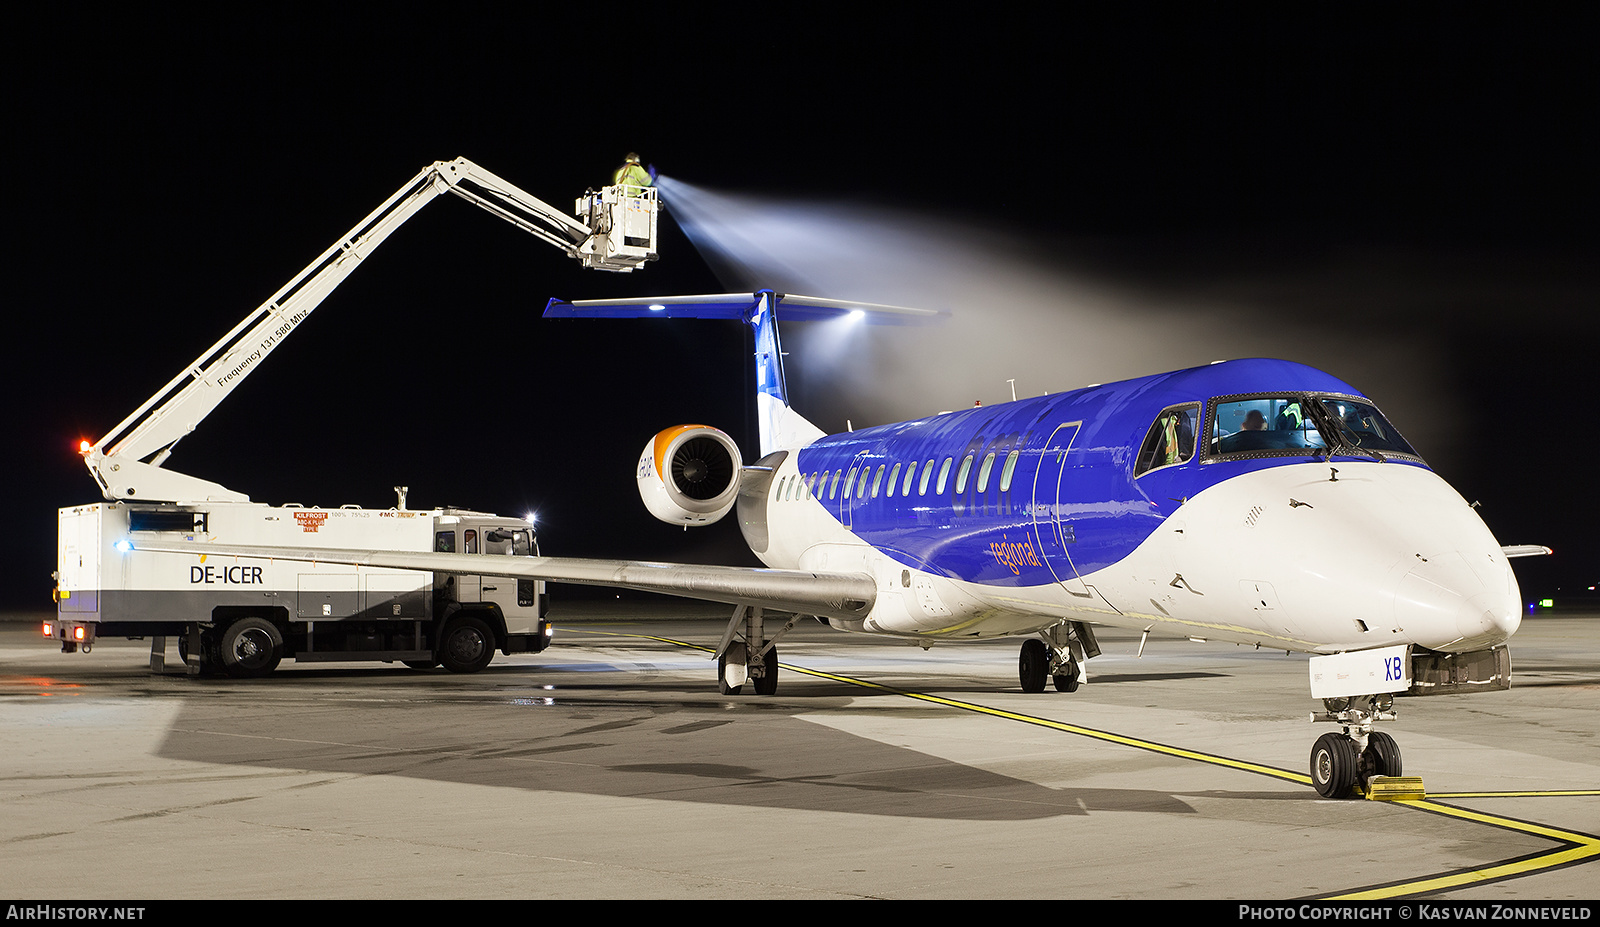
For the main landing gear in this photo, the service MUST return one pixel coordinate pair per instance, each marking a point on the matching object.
(745, 653)
(1059, 658)
(1342, 763)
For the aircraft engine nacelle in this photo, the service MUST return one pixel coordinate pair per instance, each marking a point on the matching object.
(689, 475)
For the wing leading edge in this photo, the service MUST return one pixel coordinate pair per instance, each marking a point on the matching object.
(826, 595)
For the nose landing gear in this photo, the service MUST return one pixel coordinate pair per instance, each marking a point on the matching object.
(1345, 765)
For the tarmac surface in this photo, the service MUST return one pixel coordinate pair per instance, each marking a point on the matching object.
(609, 767)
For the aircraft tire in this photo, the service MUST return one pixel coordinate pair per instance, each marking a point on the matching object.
(250, 647)
(1383, 756)
(467, 644)
(767, 684)
(1033, 666)
(1334, 765)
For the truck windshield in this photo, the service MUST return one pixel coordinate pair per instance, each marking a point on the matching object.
(515, 542)
(1264, 425)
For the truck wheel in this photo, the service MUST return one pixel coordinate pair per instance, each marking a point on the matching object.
(467, 645)
(250, 647)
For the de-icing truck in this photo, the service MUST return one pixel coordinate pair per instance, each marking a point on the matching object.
(240, 616)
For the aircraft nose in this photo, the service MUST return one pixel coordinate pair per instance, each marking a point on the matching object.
(1362, 555)
(1454, 600)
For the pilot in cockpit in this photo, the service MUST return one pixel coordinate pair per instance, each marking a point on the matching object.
(1252, 434)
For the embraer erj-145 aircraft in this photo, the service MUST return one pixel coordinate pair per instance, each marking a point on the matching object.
(1256, 501)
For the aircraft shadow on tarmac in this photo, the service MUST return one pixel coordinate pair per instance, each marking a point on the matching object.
(700, 751)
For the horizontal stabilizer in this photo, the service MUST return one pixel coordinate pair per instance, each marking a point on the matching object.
(733, 306)
(1526, 550)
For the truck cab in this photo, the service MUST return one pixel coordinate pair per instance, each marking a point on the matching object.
(520, 604)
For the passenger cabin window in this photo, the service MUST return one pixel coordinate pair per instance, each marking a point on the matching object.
(983, 472)
(911, 471)
(1009, 470)
(1265, 425)
(1170, 439)
(944, 475)
(961, 478)
(927, 471)
(833, 488)
(894, 477)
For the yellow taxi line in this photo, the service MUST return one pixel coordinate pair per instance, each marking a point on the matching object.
(1574, 847)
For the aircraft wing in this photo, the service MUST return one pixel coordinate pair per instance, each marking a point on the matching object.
(1526, 550)
(827, 595)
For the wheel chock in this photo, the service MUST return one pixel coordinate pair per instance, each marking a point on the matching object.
(1394, 788)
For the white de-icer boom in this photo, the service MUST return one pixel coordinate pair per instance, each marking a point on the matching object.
(242, 616)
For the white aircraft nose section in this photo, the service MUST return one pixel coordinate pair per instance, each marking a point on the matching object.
(1445, 604)
(1352, 557)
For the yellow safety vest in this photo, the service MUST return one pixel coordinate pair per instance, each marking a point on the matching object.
(631, 174)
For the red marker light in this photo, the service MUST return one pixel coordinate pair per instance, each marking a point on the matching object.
(48, 631)
(77, 633)
(83, 447)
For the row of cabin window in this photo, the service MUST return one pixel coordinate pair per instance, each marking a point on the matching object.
(800, 486)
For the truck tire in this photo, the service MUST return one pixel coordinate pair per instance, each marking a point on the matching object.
(205, 658)
(467, 644)
(250, 647)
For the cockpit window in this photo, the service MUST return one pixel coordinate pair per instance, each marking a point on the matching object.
(1265, 424)
(1170, 439)
(1289, 425)
(1365, 427)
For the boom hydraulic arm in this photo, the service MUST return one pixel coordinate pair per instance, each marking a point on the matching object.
(619, 236)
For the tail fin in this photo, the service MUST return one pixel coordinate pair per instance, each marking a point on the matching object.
(780, 426)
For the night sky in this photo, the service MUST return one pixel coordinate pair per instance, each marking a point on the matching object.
(1409, 205)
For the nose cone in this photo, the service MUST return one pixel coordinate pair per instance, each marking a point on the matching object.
(1373, 555)
(1458, 600)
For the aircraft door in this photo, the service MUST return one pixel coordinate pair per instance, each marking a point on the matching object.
(1052, 525)
(847, 489)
